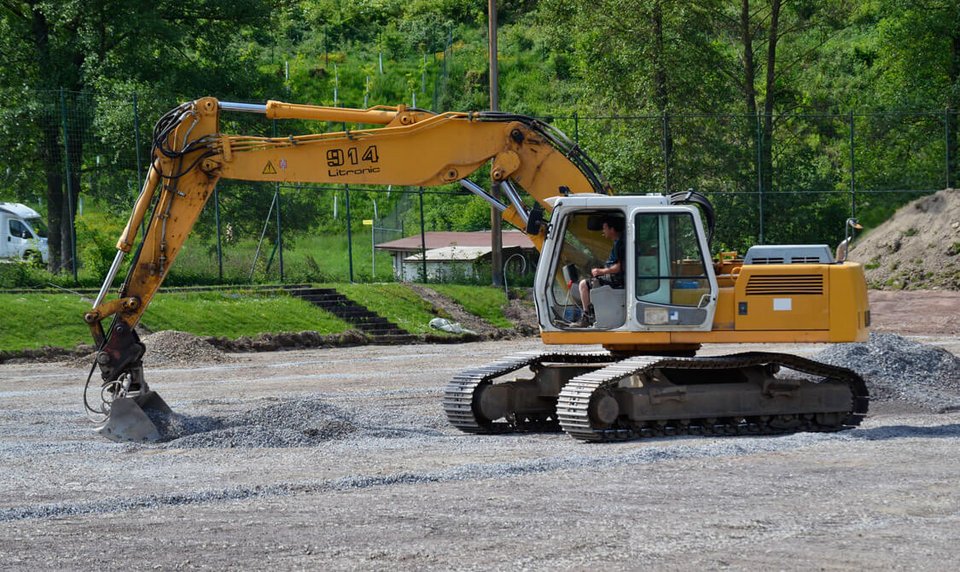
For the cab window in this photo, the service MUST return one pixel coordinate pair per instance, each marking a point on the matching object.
(670, 267)
(19, 230)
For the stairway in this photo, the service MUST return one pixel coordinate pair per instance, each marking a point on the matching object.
(378, 329)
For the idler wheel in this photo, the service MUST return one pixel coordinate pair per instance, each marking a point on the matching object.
(604, 409)
(493, 401)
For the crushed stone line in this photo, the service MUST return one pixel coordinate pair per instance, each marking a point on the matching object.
(468, 472)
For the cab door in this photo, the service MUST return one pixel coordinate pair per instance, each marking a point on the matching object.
(675, 287)
(18, 237)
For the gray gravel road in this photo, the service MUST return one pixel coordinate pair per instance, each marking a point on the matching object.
(381, 482)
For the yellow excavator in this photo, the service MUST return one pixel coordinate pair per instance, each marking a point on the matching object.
(673, 296)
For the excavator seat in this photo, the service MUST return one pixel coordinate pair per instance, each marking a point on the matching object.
(609, 307)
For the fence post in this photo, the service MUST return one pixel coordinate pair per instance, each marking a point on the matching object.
(760, 176)
(853, 172)
(666, 154)
(279, 219)
(423, 239)
(216, 218)
(346, 188)
(279, 233)
(69, 185)
(136, 143)
(946, 145)
(576, 128)
(136, 135)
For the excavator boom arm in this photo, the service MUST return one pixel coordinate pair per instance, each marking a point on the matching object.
(413, 147)
(406, 147)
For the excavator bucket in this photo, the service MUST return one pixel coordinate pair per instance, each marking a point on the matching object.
(135, 418)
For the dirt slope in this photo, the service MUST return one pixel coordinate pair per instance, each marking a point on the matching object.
(918, 248)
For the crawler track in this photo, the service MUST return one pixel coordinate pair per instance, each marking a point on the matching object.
(459, 396)
(574, 401)
(572, 412)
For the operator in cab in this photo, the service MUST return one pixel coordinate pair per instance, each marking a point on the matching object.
(610, 275)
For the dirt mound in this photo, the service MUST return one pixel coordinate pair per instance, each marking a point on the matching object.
(522, 314)
(896, 368)
(918, 248)
(171, 347)
(268, 342)
(300, 423)
(454, 312)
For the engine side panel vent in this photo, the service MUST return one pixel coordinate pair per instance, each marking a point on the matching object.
(785, 285)
(789, 254)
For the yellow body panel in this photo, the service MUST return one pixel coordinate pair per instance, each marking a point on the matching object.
(725, 318)
(781, 296)
(849, 305)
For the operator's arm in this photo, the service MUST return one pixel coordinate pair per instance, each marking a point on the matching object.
(615, 268)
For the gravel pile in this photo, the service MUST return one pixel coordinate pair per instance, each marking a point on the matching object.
(300, 423)
(170, 347)
(896, 368)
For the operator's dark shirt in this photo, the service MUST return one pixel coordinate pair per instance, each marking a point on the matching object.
(617, 254)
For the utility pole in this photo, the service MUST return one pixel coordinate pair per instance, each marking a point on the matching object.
(496, 238)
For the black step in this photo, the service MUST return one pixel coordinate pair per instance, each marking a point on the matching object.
(380, 329)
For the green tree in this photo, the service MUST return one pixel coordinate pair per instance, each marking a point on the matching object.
(163, 47)
(649, 58)
(918, 59)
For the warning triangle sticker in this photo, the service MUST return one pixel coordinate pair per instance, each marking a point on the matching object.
(269, 169)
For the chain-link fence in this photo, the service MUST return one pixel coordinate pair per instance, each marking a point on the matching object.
(80, 158)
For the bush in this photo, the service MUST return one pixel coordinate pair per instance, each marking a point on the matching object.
(22, 274)
(97, 241)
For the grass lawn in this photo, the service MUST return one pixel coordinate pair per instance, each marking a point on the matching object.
(306, 258)
(32, 321)
(235, 313)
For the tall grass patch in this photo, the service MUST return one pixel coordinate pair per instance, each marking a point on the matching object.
(306, 258)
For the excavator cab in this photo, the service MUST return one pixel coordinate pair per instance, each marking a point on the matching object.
(668, 283)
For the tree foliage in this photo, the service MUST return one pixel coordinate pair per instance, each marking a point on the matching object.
(776, 108)
(162, 50)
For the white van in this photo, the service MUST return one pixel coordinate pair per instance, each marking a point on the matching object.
(23, 233)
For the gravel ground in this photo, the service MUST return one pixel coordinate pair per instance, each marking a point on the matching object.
(899, 369)
(341, 459)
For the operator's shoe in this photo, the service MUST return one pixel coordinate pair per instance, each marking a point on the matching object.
(585, 321)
